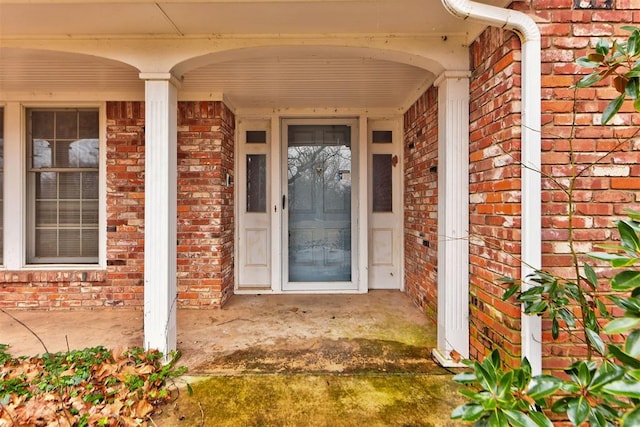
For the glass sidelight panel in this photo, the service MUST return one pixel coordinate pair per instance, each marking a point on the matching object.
(256, 183)
(382, 183)
(319, 203)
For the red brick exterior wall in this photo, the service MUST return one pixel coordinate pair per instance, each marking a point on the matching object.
(601, 193)
(125, 202)
(494, 191)
(421, 202)
(205, 203)
(205, 218)
(603, 190)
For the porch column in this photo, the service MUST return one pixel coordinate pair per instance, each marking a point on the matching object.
(453, 216)
(160, 291)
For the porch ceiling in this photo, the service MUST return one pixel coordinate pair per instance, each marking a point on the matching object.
(291, 77)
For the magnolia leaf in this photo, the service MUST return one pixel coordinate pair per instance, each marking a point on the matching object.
(620, 83)
(612, 109)
(543, 386)
(623, 357)
(588, 62)
(615, 260)
(605, 374)
(632, 344)
(602, 47)
(628, 236)
(630, 305)
(498, 419)
(623, 388)
(631, 88)
(631, 419)
(464, 377)
(512, 290)
(590, 80)
(633, 43)
(578, 410)
(468, 412)
(518, 419)
(540, 419)
(596, 341)
(626, 280)
(602, 308)
(590, 276)
(621, 325)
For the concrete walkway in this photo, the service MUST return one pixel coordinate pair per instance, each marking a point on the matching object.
(334, 341)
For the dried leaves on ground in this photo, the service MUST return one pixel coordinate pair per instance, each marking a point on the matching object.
(90, 387)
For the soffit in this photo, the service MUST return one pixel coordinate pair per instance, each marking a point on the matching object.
(306, 77)
(145, 17)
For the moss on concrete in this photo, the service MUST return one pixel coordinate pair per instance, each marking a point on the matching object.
(316, 400)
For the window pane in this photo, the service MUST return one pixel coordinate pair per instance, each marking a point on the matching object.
(89, 185)
(42, 125)
(382, 137)
(89, 213)
(256, 136)
(46, 243)
(63, 154)
(46, 185)
(85, 153)
(42, 154)
(89, 243)
(88, 126)
(63, 186)
(382, 179)
(66, 124)
(69, 185)
(46, 213)
(69, 243)
(256, 183)
(69, 213)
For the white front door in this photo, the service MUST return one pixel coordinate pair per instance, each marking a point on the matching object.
(304, 224)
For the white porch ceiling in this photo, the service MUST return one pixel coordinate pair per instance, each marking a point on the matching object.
(289, 76)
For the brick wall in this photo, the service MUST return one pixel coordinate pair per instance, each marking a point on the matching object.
(494, 187)
(421, 201)
(205, 218)
(121, 284)
(205, 203)
(571, 119)
(125, 203)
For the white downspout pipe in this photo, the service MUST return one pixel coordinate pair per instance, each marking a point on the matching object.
(531, 240)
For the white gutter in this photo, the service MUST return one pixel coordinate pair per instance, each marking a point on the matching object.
(531, 245)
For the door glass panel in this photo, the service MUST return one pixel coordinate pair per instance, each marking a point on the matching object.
(319, 192)
(382, 188)
(256, 183)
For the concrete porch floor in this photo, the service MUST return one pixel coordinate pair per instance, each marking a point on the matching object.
(376, 335)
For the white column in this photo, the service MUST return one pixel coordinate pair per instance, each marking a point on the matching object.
(160, 290)
(453, 217)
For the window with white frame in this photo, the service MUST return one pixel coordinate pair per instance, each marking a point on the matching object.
(63, 158)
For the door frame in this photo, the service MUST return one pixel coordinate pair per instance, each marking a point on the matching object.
(272, 124)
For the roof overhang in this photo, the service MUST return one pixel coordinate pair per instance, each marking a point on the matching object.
(258, 53)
